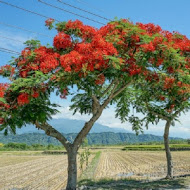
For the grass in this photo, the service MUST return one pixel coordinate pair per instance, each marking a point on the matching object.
(174, 147)
(111, 184)
(89, 172)
(21, 153)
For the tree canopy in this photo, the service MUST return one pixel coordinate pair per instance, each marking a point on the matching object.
(90, 59)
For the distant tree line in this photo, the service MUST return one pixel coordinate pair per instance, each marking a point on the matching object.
(23, 146)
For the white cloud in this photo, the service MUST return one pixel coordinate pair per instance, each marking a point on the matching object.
(16, 43)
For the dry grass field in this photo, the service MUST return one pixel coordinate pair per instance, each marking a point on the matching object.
(140, 164)
(35, 171)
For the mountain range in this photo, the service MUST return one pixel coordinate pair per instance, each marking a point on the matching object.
(99, 134)
(71, 126)
(105, 138)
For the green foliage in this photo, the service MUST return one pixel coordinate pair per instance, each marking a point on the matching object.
(84, 143)
(22, 146)
(32, 44)
(84, 158)
(153, 147)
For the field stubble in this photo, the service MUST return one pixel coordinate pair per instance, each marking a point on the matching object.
(140, 164)
(38, 172)
(49, 172)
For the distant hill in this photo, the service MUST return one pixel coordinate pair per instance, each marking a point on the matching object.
(71, 126)
(105, 138)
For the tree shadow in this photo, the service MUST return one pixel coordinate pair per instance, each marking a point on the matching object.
(124, 184)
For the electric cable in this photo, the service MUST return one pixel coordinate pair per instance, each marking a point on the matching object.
(9, 51)
(23, 29)
(70, 12)
(83, 10)
(26, 10)
(11, 39)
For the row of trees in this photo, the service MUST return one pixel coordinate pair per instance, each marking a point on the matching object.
(23, 146)
(137, 66)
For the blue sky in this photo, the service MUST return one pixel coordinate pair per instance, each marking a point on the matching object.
(172, 15)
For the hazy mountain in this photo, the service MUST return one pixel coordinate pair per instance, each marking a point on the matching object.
(106, 138)
(71, 126)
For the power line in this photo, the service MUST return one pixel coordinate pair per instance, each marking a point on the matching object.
(89, 5)
(71, 12)
(11, 39)
(26, 10)
(83, 10)
(20, 28)
(9, 51)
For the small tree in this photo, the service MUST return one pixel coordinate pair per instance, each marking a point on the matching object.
(101, 65)
(165, 100)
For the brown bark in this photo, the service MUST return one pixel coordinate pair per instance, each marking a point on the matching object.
(167, 149)
(72, 169)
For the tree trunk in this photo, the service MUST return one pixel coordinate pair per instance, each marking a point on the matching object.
(167, 149)
(72, 169)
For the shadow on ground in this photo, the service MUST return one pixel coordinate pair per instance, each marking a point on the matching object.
(176, 183)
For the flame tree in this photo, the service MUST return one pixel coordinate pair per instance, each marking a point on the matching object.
(101, 65)
(164, 101)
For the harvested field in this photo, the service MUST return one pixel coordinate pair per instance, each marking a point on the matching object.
(140, 165)
(49, 172)
(34, 172)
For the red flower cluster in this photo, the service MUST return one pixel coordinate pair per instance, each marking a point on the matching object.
(148, 47)
(45, 61)
(83, 31)
(72, 59)
(168, 83)
(23, 99)
(150, 28)
(64, 94)
(3, 87)
(62, 41)
(3, 106)
(49, 21)
(88, 56)
(7, 69)
(100, 80)
(35, 94)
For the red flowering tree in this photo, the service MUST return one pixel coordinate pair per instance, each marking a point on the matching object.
(164, 101)
(170, 95)
(102, 64)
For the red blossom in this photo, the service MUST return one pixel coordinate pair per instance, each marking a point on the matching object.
(64, 94)
(148, 47)
(1, 121)
(35, 94)
(168, 83)
(162, 98)
(23, 99)
(3, 87)
(100, 80)
(62, 41)
(49, 21)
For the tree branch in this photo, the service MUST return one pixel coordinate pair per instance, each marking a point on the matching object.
(95, 104)
(88, 125)
(177, 112)
(121, 89)
(50, 131)
(109, 87)
(106, 102)
(155, 113)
